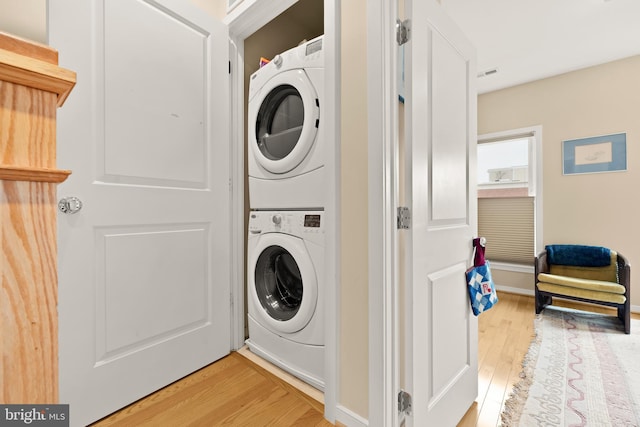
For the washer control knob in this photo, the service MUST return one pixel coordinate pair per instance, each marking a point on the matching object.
(277, 219)
(277, 60)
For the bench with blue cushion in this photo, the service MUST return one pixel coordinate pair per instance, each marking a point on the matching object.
(592, 274)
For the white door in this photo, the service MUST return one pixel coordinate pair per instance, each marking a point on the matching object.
(144, 268)
(441, 342)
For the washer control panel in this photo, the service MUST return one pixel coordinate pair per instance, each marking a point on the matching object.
(305, 224)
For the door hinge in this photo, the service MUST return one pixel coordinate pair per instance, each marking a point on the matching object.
(404, 402)
(404, 218)
(403, 31)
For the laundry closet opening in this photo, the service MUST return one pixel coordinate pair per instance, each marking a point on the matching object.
(284, 235)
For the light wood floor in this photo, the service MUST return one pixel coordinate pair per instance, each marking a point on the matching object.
(232, 391)
(237, 392)
(504, 335)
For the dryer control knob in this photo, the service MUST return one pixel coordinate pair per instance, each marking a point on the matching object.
(277, 219)
(277, 60)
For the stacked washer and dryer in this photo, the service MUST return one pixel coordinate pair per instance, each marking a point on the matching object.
(285, 248)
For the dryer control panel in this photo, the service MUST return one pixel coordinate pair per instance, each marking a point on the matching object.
(306, 55)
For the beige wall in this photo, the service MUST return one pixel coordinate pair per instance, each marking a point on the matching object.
(24, 18)
(354, 313)
(217, 8)
(599, 209)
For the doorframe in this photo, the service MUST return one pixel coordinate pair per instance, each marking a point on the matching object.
(244, 20)
(383, 192)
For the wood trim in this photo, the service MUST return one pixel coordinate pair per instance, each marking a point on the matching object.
(31, 84)
(37, 74)
(29, 333)
(28, 48)
(25, 173)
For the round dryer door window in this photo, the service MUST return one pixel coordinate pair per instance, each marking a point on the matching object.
(285, 123)
(284, 283)
(279, 123)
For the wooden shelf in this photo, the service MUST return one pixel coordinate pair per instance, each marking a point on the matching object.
(23, 173)
(37, 74)
(28, 48)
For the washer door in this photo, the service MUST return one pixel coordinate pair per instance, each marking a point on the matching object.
(282, 283)
(285, 117)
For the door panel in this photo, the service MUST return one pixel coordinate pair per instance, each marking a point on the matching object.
(441, 345)
(167, 268)
(449, 127)
(156, 130)
(144, 267)
(449, 351)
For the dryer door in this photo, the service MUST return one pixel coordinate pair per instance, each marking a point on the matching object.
(283, 285)
(284, 119)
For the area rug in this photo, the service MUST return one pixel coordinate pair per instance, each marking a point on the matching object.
(581, 370)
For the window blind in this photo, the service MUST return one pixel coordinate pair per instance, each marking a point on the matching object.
(509, 227)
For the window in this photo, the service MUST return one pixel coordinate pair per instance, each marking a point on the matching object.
(507, 195)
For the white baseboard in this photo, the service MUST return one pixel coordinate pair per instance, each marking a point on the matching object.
(511, 290)
(530, 292)
(350, 418)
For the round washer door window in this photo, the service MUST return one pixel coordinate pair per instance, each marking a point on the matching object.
(286, 117)
(278, 283)
(284, 284)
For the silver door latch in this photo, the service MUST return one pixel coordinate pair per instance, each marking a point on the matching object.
(69, 205)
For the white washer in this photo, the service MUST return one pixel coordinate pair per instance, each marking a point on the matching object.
(285, 131)
(285, 294)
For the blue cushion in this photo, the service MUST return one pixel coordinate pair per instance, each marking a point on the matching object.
(578, 255)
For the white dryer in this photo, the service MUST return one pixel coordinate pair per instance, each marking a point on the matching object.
(285, 131)
(285, 291)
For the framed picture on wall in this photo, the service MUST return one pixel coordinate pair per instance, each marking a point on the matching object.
(606, 153)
